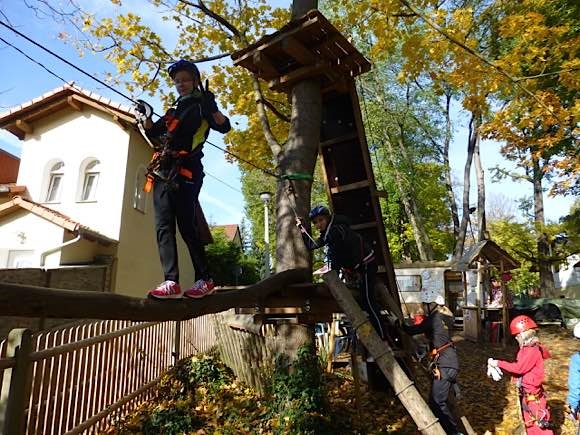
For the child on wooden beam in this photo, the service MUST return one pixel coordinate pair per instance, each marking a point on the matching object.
(349, 254)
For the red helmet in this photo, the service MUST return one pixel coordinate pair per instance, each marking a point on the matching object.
(521, 324)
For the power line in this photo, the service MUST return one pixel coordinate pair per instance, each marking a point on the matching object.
(264, 170)
(22, 35)
(222, 181)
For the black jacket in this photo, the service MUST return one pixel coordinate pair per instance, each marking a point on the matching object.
(346, 248)
(436, 327)
(188, 110)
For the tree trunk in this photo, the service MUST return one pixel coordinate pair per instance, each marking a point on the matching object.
(547, 286)
(473, 135)
(299, 156)
(481, 219)
(447, 168)
(409, 204)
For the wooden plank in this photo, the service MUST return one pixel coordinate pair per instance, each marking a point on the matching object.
(351, 186)
(241, 57)
(303, 73)
(299, 52)
(381, 193)
(31, 301)
(364, 226)
(265, 67)
(24, 126)
(76, 105)
(339, 139)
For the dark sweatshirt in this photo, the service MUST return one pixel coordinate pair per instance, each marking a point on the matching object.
(436, 327)
(346, 248)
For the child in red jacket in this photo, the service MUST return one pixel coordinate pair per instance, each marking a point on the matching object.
(528, 370)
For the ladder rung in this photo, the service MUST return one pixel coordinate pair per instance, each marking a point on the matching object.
(364, 226)
(381, 194)
(351, 186)
(339, 139)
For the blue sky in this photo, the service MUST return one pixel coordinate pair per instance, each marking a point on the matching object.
(22, 80)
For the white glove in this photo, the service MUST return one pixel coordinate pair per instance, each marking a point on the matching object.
(493, 371)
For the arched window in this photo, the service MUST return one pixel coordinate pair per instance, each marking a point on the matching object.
(90, 180)
(140, 197)
(55, 182)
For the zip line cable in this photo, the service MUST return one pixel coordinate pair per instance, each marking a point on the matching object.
(241, 159)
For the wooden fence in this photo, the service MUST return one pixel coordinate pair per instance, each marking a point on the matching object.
(81, 379)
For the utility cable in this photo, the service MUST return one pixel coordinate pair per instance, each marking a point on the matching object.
(237, 157)
(286, 177)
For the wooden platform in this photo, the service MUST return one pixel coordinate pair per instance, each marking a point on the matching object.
(307, 47)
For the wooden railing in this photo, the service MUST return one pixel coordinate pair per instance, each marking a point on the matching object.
(81, 379)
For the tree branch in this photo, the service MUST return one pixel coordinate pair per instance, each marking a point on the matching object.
(215, 16)
(471, 51)
(275, 146)
(275, 110)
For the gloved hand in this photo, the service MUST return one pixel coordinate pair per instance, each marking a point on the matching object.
(208, 104)
(392, 319)
(493, 371)
(143, 110)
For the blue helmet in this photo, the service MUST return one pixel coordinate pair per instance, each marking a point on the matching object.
(318, 210)
(183, 65)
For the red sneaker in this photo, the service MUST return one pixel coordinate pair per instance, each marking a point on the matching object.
(166, 290)
(200, 289)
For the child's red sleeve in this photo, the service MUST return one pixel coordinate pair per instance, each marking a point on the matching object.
(525, 361)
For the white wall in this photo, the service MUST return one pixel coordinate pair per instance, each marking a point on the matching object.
(24, 231)
(73, 137)
(431, 278)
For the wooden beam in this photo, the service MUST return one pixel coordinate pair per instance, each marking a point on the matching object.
(24, 126)
(351, 186)
(104, 107)
(404, 388)
(299, 52)
(340, 139)
(74, 104)
(265, 67)
(31, 301)
(297, 75)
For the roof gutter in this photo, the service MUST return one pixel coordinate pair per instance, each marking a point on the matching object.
(57, 248)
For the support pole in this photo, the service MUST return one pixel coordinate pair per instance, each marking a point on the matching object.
(16, 382)
(404, 388)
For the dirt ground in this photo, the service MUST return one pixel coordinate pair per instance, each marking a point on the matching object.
(491, 407)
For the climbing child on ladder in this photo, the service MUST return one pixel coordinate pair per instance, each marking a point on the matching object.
(348, 253)
(176, 175)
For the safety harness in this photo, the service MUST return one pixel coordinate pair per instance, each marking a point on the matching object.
(540, 420)
(434, 356)
(163, 152)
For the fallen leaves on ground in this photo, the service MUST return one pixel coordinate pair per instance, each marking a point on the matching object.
(490, 407)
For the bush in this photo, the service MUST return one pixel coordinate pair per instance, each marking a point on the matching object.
(298, 395)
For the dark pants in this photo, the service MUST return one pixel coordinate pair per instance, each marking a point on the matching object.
(439, 397)
(368, 298)
(178, 205)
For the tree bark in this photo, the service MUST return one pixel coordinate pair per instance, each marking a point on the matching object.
(473, 135)
(547, 286)
(481, 218)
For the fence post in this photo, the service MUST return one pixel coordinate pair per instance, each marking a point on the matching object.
(177, 343)
(15, 385)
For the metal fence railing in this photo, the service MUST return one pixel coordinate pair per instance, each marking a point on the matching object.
(82, 378)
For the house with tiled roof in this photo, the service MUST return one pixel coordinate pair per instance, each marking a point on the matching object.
(79, 192)
(231, 231)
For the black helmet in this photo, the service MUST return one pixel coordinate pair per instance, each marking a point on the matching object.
(318, 210)
(183, 65)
